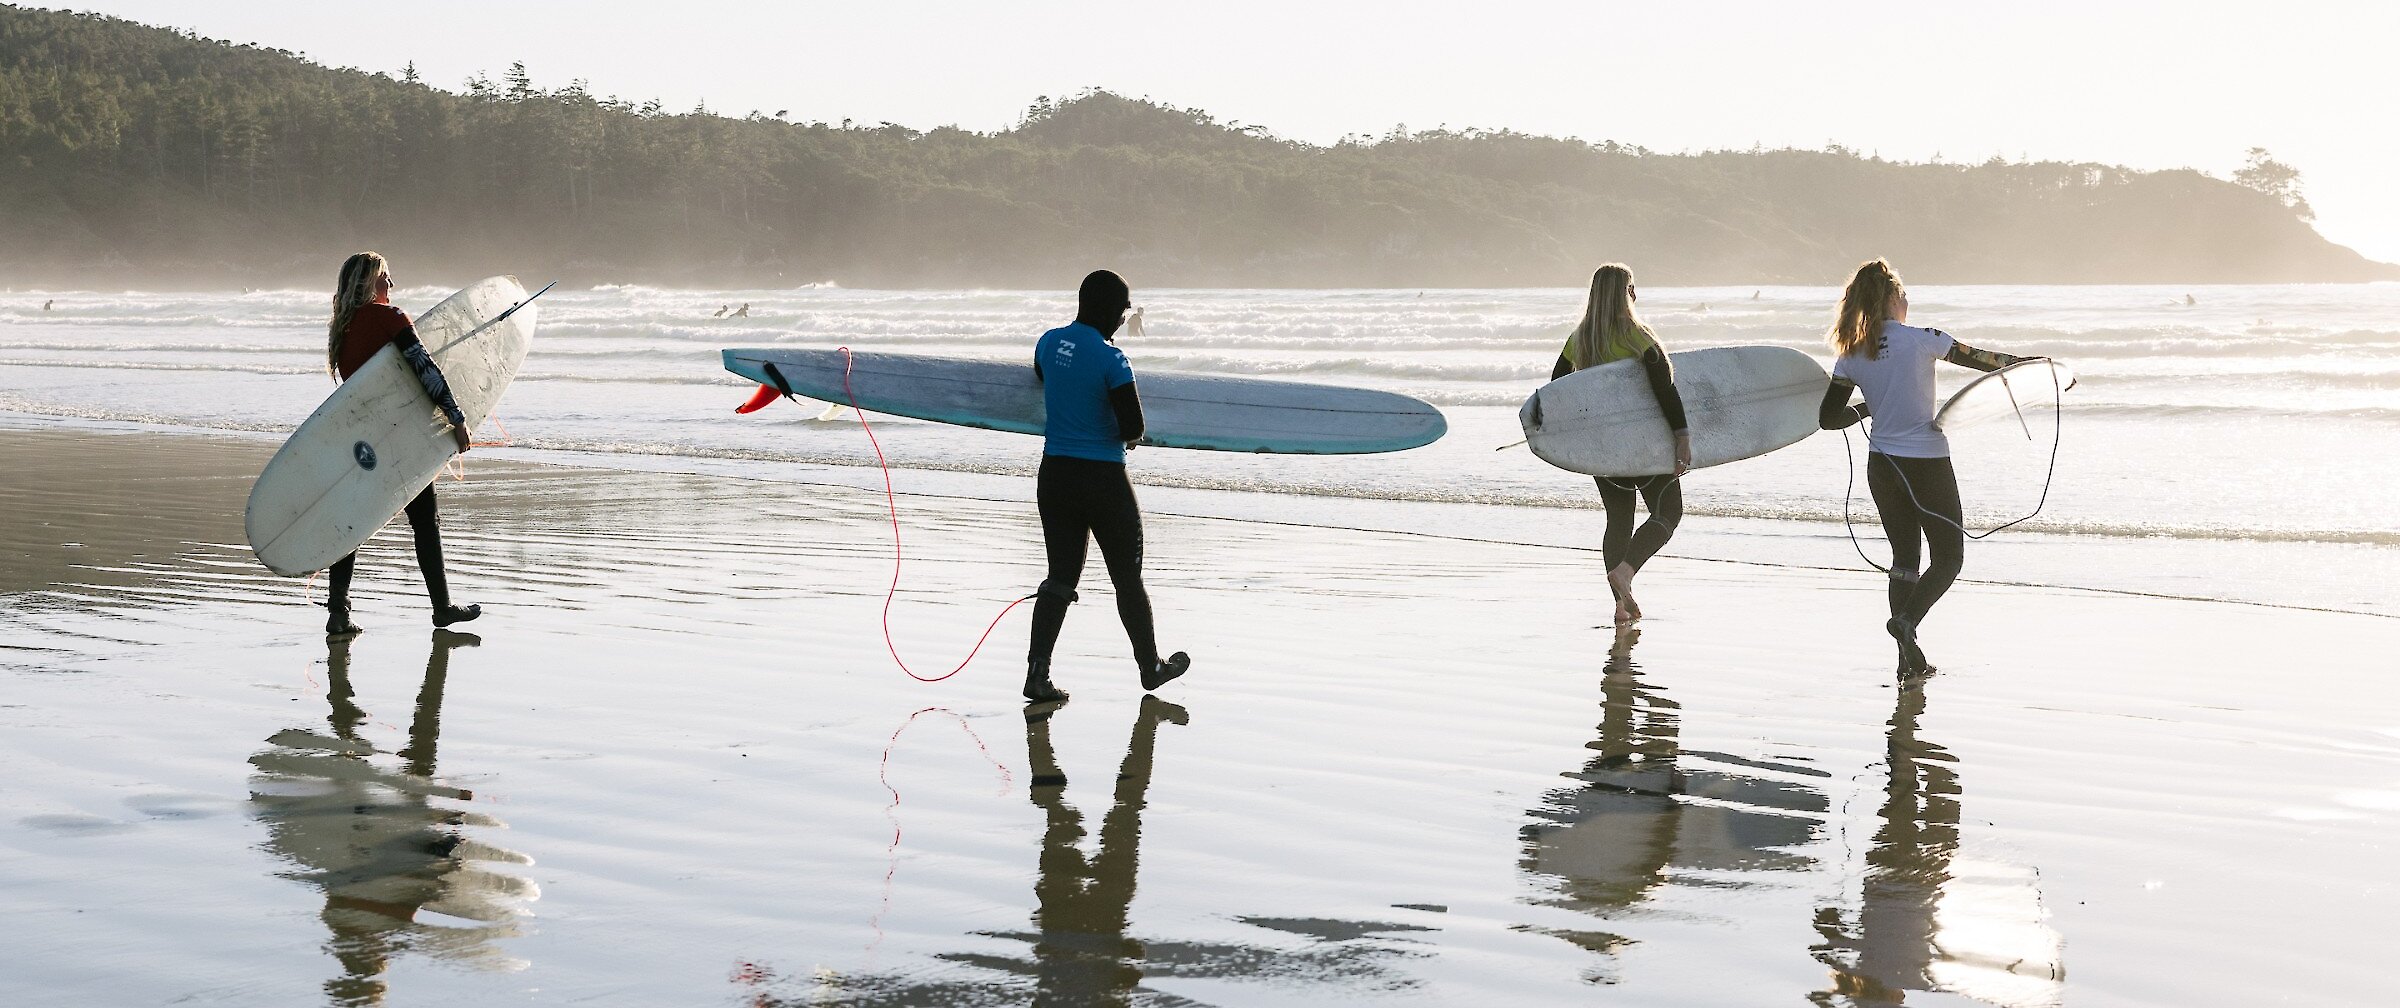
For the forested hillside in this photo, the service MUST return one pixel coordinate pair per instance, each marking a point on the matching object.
(140, 156)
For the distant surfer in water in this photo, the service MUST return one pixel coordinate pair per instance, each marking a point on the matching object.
(1908, 461)
(364, 321)
(1083, 493)
(1612, 331)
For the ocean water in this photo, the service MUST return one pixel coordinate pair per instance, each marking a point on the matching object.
(2254, 414)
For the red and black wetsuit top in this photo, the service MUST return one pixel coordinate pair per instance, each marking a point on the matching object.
(374, 326)
(371, 328)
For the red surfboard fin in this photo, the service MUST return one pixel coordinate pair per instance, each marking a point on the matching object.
(759, 400)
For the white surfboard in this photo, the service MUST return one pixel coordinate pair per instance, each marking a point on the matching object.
(2027, 385)
(1208, 412)
(1741, 402)
(379, 439)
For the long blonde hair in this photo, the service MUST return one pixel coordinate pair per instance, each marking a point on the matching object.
(1866, 306)
(1611, 330)
(355, 287)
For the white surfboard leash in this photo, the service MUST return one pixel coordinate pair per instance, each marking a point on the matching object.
(2049, 476)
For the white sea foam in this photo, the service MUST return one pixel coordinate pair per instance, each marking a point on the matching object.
(2258, 412)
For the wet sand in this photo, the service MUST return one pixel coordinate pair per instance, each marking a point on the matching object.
(673, 764)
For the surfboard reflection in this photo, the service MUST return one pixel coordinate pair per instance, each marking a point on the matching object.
(1650, 814)
(1932, 917)
(389, 845)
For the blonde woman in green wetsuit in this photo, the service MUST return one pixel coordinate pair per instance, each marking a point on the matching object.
(1612, 331)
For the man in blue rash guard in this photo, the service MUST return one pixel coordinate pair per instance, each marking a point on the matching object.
(1095, 416)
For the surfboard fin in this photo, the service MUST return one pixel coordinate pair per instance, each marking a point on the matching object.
(759, 400)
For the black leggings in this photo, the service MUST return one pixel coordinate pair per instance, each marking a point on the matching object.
(1621, 542)
(424, 523)
(1082, 500)
(1918, 498)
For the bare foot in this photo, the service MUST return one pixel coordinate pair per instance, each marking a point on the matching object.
(1620, 584)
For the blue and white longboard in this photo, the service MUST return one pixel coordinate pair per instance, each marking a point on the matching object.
(1206, 412)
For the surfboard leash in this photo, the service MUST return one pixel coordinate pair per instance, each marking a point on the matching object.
(892, 509)
(891, 810)
(2058, 410)
(455, 466)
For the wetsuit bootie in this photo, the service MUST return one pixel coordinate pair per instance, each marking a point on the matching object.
(1162, 673)
(447, 614)
(337, 597)
(1912, 658)
(1037, 683)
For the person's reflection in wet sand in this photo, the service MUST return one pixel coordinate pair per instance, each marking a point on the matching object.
(1610, 842)
(1925, 922)
(1082, 955)
(1080, 951)
(399, 872)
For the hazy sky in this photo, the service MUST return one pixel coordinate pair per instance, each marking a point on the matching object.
(2144, 84)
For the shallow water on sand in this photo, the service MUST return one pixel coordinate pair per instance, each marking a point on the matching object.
(674, 765)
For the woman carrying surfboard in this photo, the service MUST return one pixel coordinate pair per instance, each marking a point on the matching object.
(1908, 458)
(364, 322)
(1094, 416)
(1612, 331)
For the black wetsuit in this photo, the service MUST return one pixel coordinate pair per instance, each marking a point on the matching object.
(1918, 499)
(1081, 501)
(424, 526)
(1622, 542)
(1085, 500)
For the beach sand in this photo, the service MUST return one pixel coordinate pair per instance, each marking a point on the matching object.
(674, 764)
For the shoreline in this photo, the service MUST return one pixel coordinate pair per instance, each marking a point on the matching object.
(1796, 543)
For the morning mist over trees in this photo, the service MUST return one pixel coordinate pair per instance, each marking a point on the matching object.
(140, 156)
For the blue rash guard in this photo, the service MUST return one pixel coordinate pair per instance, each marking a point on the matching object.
(1079, 368)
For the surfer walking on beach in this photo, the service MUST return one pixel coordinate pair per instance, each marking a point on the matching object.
(1094, 417)
(364, 321)
(1890, 363)
(1612, 331)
